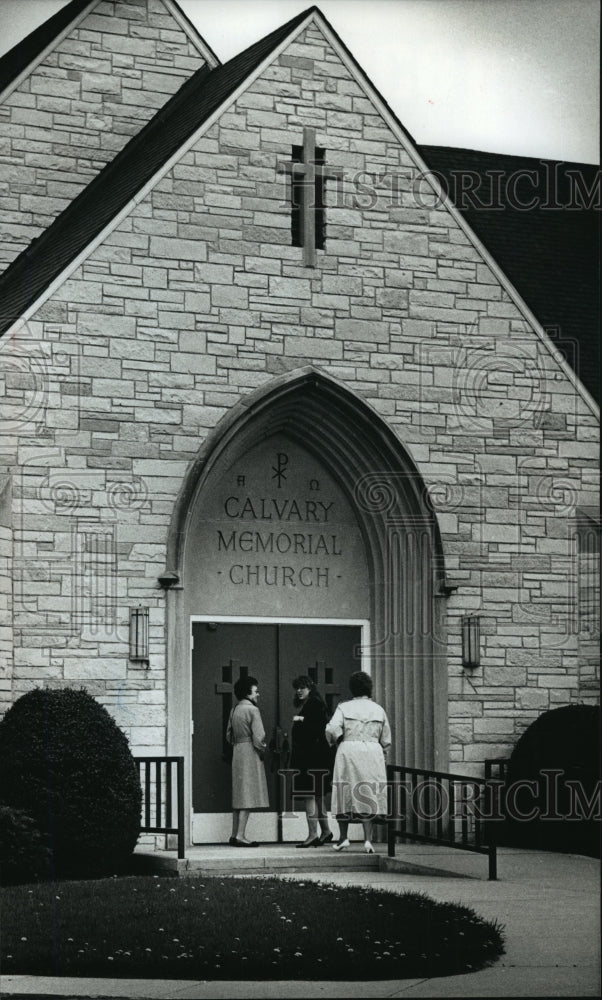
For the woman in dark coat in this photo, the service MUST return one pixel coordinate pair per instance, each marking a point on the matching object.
(312, 758)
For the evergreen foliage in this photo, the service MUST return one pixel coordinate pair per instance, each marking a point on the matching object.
(24, 853)
(66, 763)
(567, 740)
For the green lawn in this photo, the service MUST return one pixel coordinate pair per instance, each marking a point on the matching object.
(228, 928)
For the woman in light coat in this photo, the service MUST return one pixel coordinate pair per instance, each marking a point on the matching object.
(359, 781)
(246, 733)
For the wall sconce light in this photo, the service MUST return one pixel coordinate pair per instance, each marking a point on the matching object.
(471, 641)
(139, 634)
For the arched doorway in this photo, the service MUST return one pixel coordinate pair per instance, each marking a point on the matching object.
(303, 508)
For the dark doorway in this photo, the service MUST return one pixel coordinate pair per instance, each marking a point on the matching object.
(275, 654)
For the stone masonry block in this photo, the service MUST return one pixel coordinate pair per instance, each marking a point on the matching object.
(197, 302)
(317, 317)
(313, 347)
(201, 364)
(95, 669)
(392, 298)
(177, 249)
(371, 331)
(290, 288)
(407, 243)
(399, 279)
(443, 300)
(342, 285)
(505, 676)
(532, 698)
(101, 83)
(214, 273)
(493, 726)
(58, 87)
(234, 296)
(479, 751)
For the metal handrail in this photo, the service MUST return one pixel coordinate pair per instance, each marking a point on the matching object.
(158, 797)
(454, 791)
(497, 765)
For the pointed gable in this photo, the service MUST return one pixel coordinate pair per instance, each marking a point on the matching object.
(111, 191)
(74, 91)
(355, 117)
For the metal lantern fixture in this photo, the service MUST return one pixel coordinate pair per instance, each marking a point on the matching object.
(139, 634)
(471, 641)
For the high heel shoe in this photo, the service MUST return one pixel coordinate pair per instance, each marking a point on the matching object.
(311, 843)
(368, 848)
(325, 838)
(341, 845)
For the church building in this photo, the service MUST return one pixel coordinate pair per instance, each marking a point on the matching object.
(272, 404)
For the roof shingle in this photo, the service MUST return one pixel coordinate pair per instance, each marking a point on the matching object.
(549, 250)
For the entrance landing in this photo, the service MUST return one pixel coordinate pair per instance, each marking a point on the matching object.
(278, 859)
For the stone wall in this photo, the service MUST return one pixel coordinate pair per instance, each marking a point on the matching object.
(197, 298)
(80, 106)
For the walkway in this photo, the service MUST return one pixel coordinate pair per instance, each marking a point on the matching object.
(550, 904)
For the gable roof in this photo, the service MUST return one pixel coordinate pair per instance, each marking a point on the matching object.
(550, 250)
(203, 94)
(18, 59)
(192, 32)
(117, 183)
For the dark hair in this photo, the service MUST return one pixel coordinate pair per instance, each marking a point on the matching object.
(360, 684)
(243, 686)
(314, 695)
(303, 681)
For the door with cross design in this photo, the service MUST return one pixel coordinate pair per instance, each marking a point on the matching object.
(274, 653)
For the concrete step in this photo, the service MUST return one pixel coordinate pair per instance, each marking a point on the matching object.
(277, 860)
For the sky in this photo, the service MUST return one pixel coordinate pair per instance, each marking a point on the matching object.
(509, 76)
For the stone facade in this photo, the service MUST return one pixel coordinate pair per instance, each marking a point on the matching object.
(196, 299)
(74, 112)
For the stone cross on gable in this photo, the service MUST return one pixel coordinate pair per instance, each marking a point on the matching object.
(308, 176)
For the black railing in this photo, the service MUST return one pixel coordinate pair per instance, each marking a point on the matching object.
(162, 796)
(496, 768)
(496, 776)
(439, 808)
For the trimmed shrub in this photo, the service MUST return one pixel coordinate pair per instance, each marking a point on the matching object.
(65, 762)
(567, 740)
(24, 853)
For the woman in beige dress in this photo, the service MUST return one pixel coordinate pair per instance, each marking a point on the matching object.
(246, 733)
(359, 781)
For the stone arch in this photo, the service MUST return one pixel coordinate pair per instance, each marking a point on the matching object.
(401, 538)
